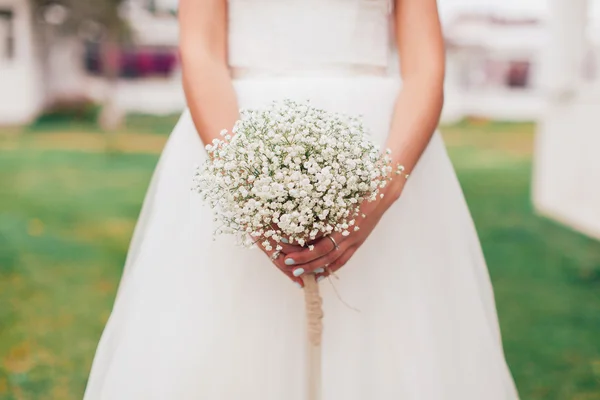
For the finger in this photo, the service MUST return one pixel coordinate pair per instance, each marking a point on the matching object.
(295, 244)
(342, 260)
(321, 248)
(316, 239)
(288, 240)
(337, 264)
(276, 257)
(318, 264)
(287, 272)
(290, 248)
(286, 246)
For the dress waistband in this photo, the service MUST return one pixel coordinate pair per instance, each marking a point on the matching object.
(311, 71)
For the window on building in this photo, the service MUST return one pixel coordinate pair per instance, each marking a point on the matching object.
(518, 74)
(7, 35)
(135, 62)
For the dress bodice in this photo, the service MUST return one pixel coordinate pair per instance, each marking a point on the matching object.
(280, 35)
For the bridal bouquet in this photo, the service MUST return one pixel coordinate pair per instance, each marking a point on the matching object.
(291, 170)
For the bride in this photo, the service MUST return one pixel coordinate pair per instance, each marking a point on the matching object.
(198, 319)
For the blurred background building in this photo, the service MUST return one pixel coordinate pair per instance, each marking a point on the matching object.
(41, 66)
(493, 62)
(494, 67)
(21, 95)
(567, 163)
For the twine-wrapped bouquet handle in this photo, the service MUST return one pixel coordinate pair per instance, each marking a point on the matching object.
(314, 324)
(314, 310)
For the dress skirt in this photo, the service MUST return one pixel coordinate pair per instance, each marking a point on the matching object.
(411, 317)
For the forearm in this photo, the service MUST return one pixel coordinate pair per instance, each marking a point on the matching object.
(210, 95)
(416, 116)
(422, 64)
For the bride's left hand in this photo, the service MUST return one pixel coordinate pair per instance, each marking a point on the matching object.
(325, 252)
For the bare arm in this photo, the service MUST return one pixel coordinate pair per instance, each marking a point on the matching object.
(206, 81)
(422, 63)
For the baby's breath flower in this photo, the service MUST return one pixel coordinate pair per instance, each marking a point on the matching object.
(291, 170)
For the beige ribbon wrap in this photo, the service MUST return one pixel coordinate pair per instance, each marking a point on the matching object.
(314, 324)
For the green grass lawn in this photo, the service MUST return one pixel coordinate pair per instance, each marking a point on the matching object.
(69, 198)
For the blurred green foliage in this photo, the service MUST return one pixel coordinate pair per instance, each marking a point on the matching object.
(81, 116)
(161, 125)
(68, 207)
(67, 112)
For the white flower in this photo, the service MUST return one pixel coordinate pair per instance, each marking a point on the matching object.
(290, 170)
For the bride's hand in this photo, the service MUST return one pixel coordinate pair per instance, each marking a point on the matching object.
(278, 256)
(335, 250)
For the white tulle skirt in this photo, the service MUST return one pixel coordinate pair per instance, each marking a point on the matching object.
(199, 319)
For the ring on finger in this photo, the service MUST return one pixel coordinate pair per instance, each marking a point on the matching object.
(335, 245)
(275, 255)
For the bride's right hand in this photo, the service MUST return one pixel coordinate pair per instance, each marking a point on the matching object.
(277, 257)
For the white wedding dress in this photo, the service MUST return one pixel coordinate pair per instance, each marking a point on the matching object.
(198, 319)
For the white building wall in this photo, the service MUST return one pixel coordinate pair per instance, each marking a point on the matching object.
(158, 96)
(567, 164)
(65, 73)
(471, 91)
(566, 182)
(152, 96)
(21, 93)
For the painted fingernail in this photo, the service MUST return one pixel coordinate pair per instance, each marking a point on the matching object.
(289, 261)
(298, 271)
(298, 285)
(319, 279)
(319, 270)
(284, 240)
